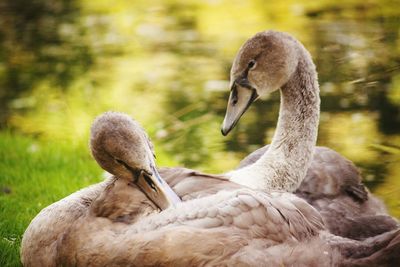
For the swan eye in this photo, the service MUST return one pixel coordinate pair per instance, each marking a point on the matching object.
(150, 182)
(251, 64)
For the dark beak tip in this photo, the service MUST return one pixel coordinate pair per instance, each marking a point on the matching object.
(223, 132)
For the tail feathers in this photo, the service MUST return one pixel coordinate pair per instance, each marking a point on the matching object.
(368, 226)
(382, 250)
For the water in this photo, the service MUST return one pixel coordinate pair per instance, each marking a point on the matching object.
(167, 64)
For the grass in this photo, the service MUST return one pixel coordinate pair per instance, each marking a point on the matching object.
(33, 174)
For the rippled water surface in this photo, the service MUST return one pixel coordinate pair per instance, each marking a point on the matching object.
(167, 64)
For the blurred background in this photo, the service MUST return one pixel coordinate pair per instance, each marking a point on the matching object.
(166, 63)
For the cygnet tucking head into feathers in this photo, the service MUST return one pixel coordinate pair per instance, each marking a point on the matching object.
(121, 147)
(263, 64)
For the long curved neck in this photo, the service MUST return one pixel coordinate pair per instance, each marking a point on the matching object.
(284, 165)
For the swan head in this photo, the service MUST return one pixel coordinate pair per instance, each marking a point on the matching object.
(263, 64)
(121, 147)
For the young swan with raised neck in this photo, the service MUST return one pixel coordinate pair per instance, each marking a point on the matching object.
(121, 147)
(265, 63)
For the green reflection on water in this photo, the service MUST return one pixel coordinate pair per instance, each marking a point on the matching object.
(167, 64)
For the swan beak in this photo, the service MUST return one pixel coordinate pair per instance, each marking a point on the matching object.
(157, 190)
(239, 101)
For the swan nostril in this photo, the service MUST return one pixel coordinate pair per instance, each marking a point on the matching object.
(234, 96)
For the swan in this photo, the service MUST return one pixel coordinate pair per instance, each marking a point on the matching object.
(273, 60)
(121, 225)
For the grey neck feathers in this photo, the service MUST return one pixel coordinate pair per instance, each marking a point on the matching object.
(284, 165)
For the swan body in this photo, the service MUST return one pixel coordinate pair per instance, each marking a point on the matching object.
(219, 223)
(333, 185)
(116, 215)
(242, 213)
(47, 241)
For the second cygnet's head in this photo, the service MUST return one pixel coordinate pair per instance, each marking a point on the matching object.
(263, 64)
(121, 147)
